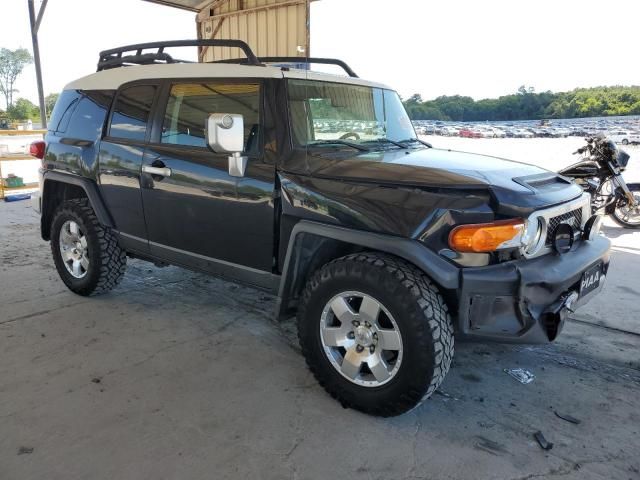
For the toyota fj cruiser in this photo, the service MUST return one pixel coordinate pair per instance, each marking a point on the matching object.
(314, 187)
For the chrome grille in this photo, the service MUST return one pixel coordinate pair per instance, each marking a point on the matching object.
(573, 218)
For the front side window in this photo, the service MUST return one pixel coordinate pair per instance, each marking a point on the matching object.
(131, 112)
(190, 105)
(322, 112)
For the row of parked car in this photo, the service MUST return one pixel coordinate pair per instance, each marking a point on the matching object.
(624, 131)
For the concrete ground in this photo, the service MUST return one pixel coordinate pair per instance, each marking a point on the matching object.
(175, 375)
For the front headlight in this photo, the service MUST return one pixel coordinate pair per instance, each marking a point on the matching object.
(532, 239)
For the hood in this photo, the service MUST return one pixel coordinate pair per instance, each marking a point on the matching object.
(515, 186)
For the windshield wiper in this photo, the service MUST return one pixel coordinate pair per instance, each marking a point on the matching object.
(386, 140)
(339, 142)
(411, 140)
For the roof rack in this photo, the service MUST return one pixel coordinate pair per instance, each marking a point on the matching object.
(133, 54)
(296, 60)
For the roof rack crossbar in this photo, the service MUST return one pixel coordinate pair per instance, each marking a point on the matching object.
(133, 54)
(302, 60)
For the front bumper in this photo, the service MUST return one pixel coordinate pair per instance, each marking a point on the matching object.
(522, 301)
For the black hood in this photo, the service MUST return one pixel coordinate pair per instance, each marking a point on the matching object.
(513, 185)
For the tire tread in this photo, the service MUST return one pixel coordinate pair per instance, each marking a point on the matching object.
(436, 319)
(112, 258)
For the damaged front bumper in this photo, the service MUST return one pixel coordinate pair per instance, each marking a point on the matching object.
(527, 301)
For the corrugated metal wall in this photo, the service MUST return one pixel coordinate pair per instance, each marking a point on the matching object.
(270, 27)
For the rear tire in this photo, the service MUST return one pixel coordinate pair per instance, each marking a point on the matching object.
(86, 253)
(625, 141)
(409, 304)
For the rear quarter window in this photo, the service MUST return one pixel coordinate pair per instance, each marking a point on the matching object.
(64, 106)
(87, 120)
(81, 114)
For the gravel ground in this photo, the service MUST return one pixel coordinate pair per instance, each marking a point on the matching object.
(178, 375)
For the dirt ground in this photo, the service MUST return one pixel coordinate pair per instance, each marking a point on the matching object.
(175, 375)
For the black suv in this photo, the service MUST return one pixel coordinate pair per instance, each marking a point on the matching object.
(313, 187)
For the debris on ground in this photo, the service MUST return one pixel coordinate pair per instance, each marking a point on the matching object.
(544, 444)
(490, 446)
(520, 374)
(96, 380)
(445, 394)
(567, 418)
(482, 424)
(25, 450)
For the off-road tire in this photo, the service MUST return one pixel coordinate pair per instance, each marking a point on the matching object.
(423, 321)
(107, 261)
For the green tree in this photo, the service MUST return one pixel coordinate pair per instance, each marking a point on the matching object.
(50, 101)
(23, 109)
(12, 62)
(415, 99)
(526, 104)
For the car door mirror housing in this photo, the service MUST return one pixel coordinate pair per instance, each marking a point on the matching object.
(225, 134)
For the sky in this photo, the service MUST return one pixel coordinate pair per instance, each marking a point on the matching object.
(479, 48)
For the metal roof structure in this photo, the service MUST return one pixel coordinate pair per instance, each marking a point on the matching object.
(273, 28)
(192, 5)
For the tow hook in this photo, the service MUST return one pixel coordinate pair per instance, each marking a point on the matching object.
(555, 315)
(570, 300)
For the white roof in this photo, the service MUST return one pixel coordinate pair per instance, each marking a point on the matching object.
(112, 78)
(328, 77)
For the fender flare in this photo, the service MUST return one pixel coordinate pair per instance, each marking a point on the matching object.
(90, 188)
(445, 274)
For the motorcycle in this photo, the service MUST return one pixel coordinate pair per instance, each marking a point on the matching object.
(600, 174)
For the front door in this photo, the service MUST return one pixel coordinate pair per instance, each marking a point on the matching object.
(197, 214)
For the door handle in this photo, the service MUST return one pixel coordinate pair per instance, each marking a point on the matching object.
(161, 171)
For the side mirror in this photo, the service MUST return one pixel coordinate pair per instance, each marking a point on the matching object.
(225, 134)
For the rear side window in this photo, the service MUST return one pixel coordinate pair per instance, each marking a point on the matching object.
(190, 105)
(63, 108)
(88, 116)
(131, 112)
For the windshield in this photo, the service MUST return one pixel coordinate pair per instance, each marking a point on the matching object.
(325, 112)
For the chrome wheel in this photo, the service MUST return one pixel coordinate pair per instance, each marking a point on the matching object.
(361, 339)
(629, 215)
(73, 249)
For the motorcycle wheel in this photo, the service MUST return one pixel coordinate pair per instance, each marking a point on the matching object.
(625, 216)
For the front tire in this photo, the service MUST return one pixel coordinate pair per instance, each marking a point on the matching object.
(625, 216)
(376, 333)
(86, 253)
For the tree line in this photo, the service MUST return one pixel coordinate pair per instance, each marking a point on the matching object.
(12, 63)
(526, 104)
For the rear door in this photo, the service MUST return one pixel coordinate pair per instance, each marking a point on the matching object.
(198, 215)
(120, 161)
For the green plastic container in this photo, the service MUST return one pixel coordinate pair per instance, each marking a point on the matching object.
(13, 182)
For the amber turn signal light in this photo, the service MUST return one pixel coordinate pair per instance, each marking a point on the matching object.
(487, 237)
